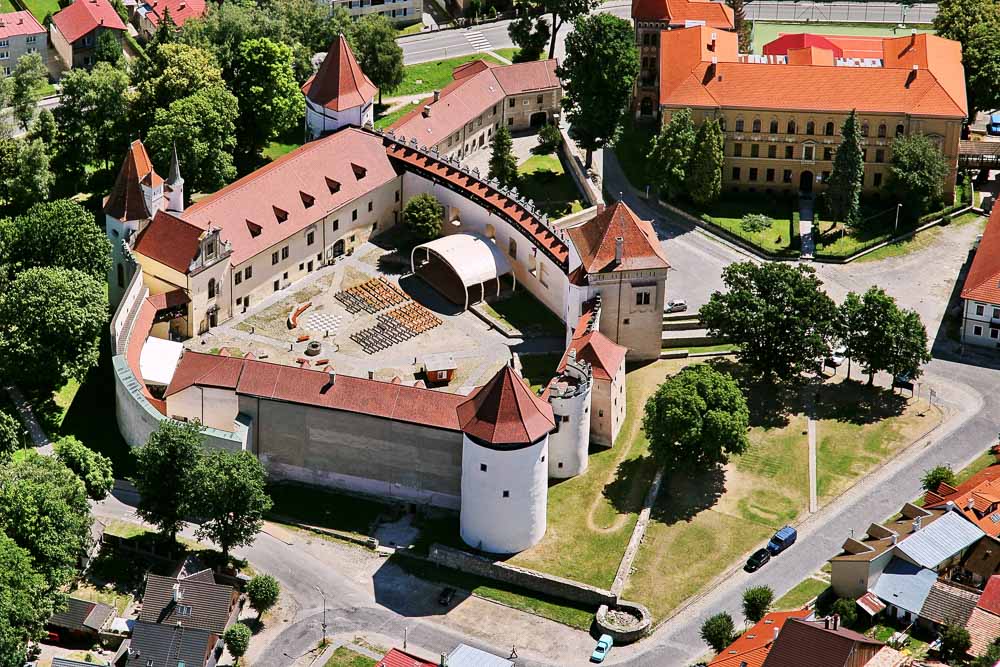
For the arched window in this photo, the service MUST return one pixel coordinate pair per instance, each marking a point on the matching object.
(881, 130)
(211, 288)
(791, 126)
(774, 126)
(864, 129)
(829, 128)
(121, 275)
(810, 128)
(899, 130)
(739, 124)
(756, 125)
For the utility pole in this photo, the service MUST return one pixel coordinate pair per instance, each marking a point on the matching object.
(324, 613)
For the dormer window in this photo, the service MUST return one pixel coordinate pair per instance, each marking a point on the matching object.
(279, 214)
(210, 249)
(253, 228)
(333, 185)
(359, 171)
(307, 199)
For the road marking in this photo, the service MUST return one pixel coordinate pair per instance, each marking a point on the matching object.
(478, 40)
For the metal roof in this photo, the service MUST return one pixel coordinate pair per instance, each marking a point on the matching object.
(936, 543)
(467, 656)
(904, 585)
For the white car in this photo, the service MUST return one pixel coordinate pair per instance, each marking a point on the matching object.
(838, 357)
(676, 306)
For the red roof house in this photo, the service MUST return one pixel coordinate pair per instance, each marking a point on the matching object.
(842, 46)
(397, 658)
(981, 290)
(152, 12)
(127, 200)
(679, 13)
(752, 647)
(597, 242)
(170, 241)
(75, 29)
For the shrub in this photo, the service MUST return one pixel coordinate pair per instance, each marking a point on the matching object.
(754, 223)
(757, 602)
(955, 642)
(263, 592)
(847, 610)
(549, 138)
(935, 476)
(424, 216)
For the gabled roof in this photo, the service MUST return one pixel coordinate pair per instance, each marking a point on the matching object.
(932, 545)
(811, 643)
(752, 647)
(990, 599)
(984, 628)
(843, 46)
(904, 585)
(340, 84)
(170, 240)
(596, 242)
(949, 604)
(209, 603)
(979, 504)
(603, 354)
(85, 16)
(397, 658)
(14, 24)
(505, 411)
(679, 12)
(983, 281)
(180, 11)
(205, 370)
(127, 201)
(82, 615)
(156, 645)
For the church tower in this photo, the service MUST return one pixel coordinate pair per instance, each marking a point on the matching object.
(339, 94)
(175, 184)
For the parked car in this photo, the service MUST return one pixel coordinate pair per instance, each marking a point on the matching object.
(604, 645)
(839, 356)
(994, 125)
(781, 540)
(676, 306)
(447, 595)
(757, 560)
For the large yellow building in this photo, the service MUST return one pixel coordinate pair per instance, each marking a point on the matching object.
(782, 114)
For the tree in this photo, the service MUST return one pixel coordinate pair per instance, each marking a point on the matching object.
(237, 639)
(881, 336)
(44, 130)
(52, 319)
(270, 101)
(93, 468)
(171, 73)
(263, 592)
(757, 602)
(203, 128)
(165, 475)
(25, 176)
(777, 313)
(10, 435)
(754, 223)
(424, 216)
(955, 643)
(846, 609)
(718, 631)
(108, 49)
(989, 658)
(61, 233)
(970, 23)
(503, 164)
(671, 153)
(844, 186)
(917, 173)
(599, 73)
(25, 602)
(378, 54)
(549, 139)
(696, 418)
(29, 79)
(937, 475)
(44, 510)
(166, 31)
(530, 35)
(231, 498)
(704, 176)
(93, 118)
(561, 11)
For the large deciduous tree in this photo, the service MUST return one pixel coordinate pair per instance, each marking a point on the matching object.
(25, 174)
(423, 217)
(503, 164)
(165, 475)
(10, 435)
(231, 498)
(270, 101)
(51, 320)
(93, 468)
(563, 11)
(29, 78)
(60, 233)
(704, 174)
(599, 72)
(263, 592)
(917, 173)
(881, 336)
(108, 49)
(777, 313)
(378, 54)
(93, 118)
(718, 631)
(697, 418)
(671, 154)
(25, 602)
(530, 35)
(171, 73)
(843, 190)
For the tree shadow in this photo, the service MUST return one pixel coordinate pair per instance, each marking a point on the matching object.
(857, 403)
(770, 404)
(684, 494)
(632, 479)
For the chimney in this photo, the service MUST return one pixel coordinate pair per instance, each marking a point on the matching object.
(836, 621)
(600, 208)
(895, 539)
(333, 377)
(949, 506)
(444, 660)
(427, 111)
(917, 522)
(916, 67)
(437, 95)
(177, 595)
(619, 249)
(776, 630)
(970, 503)
(715, 60)
(826, 623)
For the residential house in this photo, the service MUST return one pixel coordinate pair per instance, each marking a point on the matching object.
(148, 15)
(464, 655)
(979, 503)
(981, 290)
(195, 601)
(824, 643)
(981, 563)
(752, 647)
(780, 135)
(901, 591)
(400, 12)
(948, 603)
(69, 662)
(156, 645)
(20, 33)
(75, 29)
(81, 620)
(397, 658)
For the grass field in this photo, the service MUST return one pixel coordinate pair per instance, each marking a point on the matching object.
(383, 120)
(729, 210)
(522, 312)
(411, 29)
(545, 181)
(538, 369)
(434, 75)
(6, 7)
(39, 8)
(921, 241)
(345, 657)
(276, 149)
(800, 595)
(764, 31)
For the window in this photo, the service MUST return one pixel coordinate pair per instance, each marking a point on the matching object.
(789, 152)
(482, 467)
(810, 128)
(737, 150)
(980, 309)
(722, 124)
(506, 493)
(302, 265)
(772, 151)
(769, 176)
(238, 277)
(754, 150)
(753, 173)
(791, 127)
(284, 253)
(827, 153)
(994, 333)
(4, 55)
(4, 43)
(397, 195)
(808, 153)
(736, 173)
(183, 610)
(274, 258)
(899, 130)
(739, 124)
(31, 39)
(310, 238)
(786, 176)
(511, 103)
(354, 215)
(642, 298)
(864, 129)
(864, 155)
(881, 131)
(512, 248)
(211, 288)
(369, 207)
(336, 225)
(239, 301)
(977, 330)
(756, 124)
(829, 128)
(540, 99)
(774, 126)
(877, 180)
(510, 121)
(826, 176)
(247, 272)
(996, 313)
(880, 155)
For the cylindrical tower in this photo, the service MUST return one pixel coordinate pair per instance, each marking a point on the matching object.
(504, 470)
(569, 396)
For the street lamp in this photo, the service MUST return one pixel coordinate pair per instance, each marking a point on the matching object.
(324, 612)
(899, 205)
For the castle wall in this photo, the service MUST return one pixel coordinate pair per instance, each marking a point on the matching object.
(320, 120)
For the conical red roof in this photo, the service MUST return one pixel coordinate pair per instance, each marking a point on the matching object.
(505, 411)
(340, 84)
(126, 201)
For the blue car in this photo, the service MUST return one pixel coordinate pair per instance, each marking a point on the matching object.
(994, 125)
(604, 645)
(782, 539)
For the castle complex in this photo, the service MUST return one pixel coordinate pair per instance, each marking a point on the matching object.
(181, 271)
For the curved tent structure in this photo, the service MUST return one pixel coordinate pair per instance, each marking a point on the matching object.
(459, 264)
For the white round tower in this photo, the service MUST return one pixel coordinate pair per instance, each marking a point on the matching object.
(570, 396)
(504, 469)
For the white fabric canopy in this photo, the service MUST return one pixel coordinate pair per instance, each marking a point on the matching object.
(158, 360)
(475, 260)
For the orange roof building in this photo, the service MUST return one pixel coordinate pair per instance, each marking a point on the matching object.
(978, 499)
(782, 112)
(339, 93)
(981, 291)
(752, 647)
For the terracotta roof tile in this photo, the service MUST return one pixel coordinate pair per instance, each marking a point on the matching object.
(595, 240)
(810, 643)
(983, 281)
(752, 647)
(949, 603)
(984, 628)
(14, 24)
(126, 201)
(180, 11)
(85, 16)
(843, 46)
(397, 658)
(604, 355)
(340, 84)
(169, 240)
(206, 370)
(990, 599)
(677, 12)
(505, 411)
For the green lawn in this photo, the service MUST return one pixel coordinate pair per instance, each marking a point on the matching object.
(276, 149)
(384, 120)
(725, 347)
(39, 8)
(800, 595)
(6, 7)
(522, 312)
(511, 53)
(544, 180)
(345, 657)
(411, 29)
(434, 75)
(538, 369)
(985, 460)
(764, 31)
(920, 241)
(729, 210)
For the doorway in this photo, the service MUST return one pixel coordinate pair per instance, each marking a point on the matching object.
(538, 119)
(806, 182)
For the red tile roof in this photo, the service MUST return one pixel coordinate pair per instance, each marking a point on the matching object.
(311, 170)
(505, 411)
(984, 628)
(604, 355)
(397, 658)
(180, 10)
(205, 370)
(170, 241)
(596, 242)
(753, 645)
(14, 24)
(689, 79)
(126, 201)
(983, 281)
(810, 55)
(340, 84)
(677, 12)
(133, 353)
(990, 599)
(843, 46)
(85, 16)
(984, 499)
(176, 297)
(810, 643)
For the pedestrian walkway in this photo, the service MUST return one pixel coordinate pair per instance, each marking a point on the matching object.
(478, 40)
(806, 227)
(38, 436)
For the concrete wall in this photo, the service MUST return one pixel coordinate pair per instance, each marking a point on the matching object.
(398, 11)
(216, 408)
(19, 45)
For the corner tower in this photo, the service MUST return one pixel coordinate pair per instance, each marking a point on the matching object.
(505, 445)
(570, 394)
(339, 94)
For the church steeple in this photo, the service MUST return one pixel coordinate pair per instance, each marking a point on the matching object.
(175, 201)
